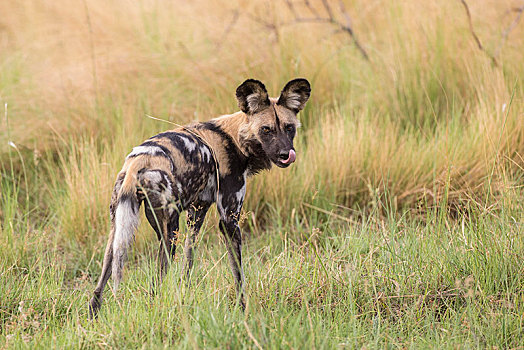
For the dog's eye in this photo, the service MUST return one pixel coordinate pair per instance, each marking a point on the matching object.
(266, 130)
(290, 128)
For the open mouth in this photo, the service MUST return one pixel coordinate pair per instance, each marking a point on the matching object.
(285, 160)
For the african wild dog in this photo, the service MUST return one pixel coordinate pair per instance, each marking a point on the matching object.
(191, 167)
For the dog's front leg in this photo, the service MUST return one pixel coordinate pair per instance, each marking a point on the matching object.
(233, 238)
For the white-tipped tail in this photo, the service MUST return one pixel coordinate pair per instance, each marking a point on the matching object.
(126, 222)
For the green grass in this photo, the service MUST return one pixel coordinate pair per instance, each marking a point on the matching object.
(378, 283)
(399, 226)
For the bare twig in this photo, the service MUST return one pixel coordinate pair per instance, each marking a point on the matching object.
(291, 7)
(475, 36)
(330, 213)
(311, 8)
(234, 20)
(328, 8)
(330, 18)
(505, 33)
(268, 25)
(513, 24)
(250, 334)
(470, 22)
(260, 21)
(451, 293)
(314, 16)
(92, 48)
(349, 28)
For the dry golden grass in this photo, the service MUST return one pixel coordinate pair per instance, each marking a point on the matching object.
(424, 119)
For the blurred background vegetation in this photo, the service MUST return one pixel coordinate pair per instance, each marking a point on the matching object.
(427, 116)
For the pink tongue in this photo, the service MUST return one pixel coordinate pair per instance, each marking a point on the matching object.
(291, 158)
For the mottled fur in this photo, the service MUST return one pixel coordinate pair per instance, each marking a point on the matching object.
(191, 168)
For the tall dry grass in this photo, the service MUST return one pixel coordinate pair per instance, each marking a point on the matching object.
(427, 118)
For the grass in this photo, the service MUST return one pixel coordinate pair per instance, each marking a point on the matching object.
(399, 226)
(395, 283)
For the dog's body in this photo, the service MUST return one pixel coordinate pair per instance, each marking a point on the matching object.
(192, 167)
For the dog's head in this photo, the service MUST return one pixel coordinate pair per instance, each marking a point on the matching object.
(272, 122)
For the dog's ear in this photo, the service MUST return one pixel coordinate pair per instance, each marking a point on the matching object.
(252, 96)
(295, 95)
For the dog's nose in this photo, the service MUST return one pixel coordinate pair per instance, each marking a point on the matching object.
(283, 155)
(287, 157)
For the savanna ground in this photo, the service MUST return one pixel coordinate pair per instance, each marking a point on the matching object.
(400, 224)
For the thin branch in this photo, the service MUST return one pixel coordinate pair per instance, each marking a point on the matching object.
(92, 48)
(328, 8)
(309, 20)
(513, 24)
(330, 18)
(291, 8)
(439, 295)
(234, 20)
(470, 22)
(475, 36)
(330, 213)
(311, 8)
(260, 21)
(348, 28)
(257, 344)
(505, 33)
(344, 12)
(268, 25)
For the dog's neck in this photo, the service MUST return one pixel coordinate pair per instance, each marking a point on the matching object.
(251, 149)
(231, 125)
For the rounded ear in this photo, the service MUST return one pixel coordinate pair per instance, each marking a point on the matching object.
(295, 95)
(252, 96)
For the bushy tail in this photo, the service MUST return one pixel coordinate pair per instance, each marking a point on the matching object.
(126, 217)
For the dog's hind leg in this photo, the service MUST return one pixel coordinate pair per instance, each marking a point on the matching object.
(126, 222)
(166, 229)
(96, 300)
(195, 218)
(162, 213)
